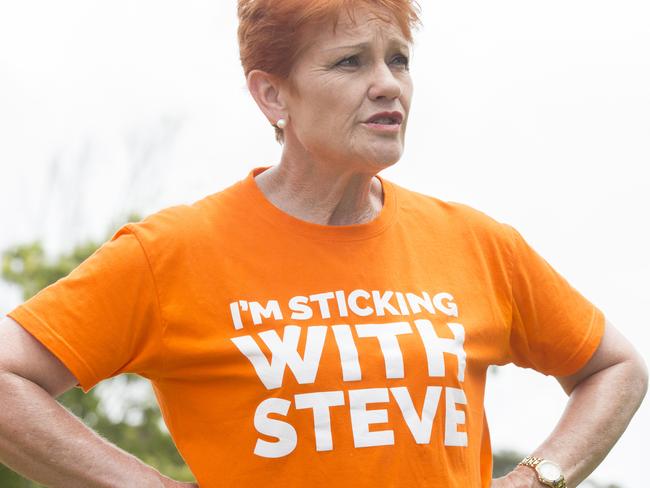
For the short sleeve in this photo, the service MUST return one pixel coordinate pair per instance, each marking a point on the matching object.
(102, 319)
(554, 329)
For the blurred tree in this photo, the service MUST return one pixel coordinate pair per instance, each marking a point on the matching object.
(145, 437)
(505, 461)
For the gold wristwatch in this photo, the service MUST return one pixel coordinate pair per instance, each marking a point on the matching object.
(547, 471)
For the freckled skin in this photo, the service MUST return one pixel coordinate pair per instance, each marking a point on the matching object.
(338, 88)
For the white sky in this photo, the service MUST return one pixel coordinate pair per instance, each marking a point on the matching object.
(537, 113)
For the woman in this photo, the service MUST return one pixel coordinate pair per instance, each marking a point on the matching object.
(315, 324)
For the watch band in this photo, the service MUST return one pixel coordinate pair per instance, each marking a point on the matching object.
(532, 462)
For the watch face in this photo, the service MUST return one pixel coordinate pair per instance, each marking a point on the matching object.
(549, 471)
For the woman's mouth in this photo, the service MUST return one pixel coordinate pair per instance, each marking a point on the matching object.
(385, 122)
(380, 126)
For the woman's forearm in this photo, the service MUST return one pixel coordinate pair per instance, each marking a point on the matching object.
(599, 409)
(43, 441)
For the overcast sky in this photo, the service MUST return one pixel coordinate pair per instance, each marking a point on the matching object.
(537, 113)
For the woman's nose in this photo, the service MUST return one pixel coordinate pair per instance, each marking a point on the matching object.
(384, 84)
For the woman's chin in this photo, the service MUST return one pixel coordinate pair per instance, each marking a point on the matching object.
(387, 156)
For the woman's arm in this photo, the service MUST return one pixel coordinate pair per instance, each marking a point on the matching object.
(41, 439)
(603, 397)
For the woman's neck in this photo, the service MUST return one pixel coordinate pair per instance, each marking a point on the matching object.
(322, 194)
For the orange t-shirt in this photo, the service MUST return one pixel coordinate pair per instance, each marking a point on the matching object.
(289, 354)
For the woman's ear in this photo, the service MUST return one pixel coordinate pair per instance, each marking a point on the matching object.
(267, 92)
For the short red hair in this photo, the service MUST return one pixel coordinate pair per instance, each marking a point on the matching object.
(270, 31)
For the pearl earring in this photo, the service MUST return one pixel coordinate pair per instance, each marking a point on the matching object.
(281, 123)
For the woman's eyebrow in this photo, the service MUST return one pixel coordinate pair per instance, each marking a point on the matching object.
(363, 45)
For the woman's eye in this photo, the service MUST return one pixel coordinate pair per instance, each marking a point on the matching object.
(351, 61)
(402, 60)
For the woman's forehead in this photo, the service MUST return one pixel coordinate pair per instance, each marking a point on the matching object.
(364, 28)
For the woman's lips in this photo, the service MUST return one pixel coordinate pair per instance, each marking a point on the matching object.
(388, 128)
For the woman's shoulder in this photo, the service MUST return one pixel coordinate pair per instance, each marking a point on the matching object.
(184, 224)
(447, 212)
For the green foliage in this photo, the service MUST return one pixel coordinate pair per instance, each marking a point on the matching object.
(27, 266)
(505, 461)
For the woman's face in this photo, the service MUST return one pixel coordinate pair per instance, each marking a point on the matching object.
(341, 81)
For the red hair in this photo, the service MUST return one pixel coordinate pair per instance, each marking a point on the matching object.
(270, 31)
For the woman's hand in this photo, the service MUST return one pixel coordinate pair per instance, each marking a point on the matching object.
(170, 483)
(517, 479)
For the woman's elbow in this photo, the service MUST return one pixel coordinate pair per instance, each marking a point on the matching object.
(642, 369)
